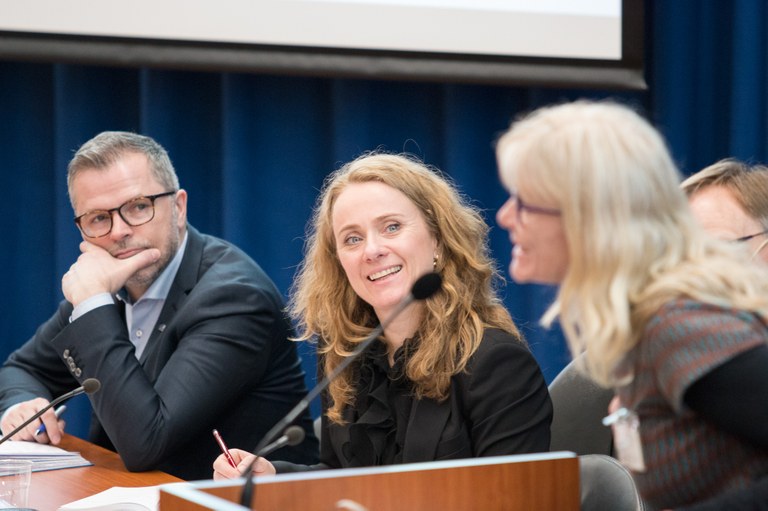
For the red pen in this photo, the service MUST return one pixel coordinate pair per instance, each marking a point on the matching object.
(224, 449)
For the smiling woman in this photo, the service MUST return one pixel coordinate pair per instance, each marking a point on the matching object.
(383, 245)
(670, 318)
(451, 376)
(540, 252)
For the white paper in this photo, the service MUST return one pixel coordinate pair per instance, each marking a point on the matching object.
(144, 498)
(16, 448)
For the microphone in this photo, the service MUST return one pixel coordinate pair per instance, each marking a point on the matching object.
(424, 287)
(294, 435)
(89, 386)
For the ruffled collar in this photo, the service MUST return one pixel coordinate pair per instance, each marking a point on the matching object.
(383, 399)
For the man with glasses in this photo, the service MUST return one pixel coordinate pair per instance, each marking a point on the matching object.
(184, 331)
(730, 200)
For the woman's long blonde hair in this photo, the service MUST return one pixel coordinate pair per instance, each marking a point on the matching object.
(326, 308)
(633, 243)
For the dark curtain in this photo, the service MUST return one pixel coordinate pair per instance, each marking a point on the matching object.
(252, 150)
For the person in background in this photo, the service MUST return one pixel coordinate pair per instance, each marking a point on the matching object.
(184, 331)
(670, 317)
(451, 376)
(730, 200)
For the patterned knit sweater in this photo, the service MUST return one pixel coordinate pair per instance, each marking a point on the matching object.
(687, 459)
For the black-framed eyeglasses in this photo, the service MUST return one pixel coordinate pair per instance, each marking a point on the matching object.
(749, 237)
(137, 211)
(521, 206)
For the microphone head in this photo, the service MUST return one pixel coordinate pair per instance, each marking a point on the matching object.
(294, 435)
(91, 385)
(426, 285)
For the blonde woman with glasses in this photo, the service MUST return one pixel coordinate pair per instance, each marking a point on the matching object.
(669, 317)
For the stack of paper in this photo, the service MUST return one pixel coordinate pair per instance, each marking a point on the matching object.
(42, 456)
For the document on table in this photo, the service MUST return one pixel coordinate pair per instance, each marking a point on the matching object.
(117, 498)
(42, 456)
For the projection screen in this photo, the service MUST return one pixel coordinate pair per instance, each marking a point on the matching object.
(582, 43)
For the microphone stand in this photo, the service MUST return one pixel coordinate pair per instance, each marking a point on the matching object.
(89, 386)
(423, 288)
(306, 400)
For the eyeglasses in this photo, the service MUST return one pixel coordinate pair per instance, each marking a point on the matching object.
(521, 206)
(135, 212)
(749, 237)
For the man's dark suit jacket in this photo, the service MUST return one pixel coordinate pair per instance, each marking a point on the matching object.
(219, 357)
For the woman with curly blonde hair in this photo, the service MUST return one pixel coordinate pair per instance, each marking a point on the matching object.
(671, 318)
(451, 376)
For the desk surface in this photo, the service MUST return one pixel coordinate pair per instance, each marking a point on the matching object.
(54, 488)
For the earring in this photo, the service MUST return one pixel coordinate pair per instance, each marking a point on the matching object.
(434, 262)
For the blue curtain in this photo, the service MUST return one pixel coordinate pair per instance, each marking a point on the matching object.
(252, 150)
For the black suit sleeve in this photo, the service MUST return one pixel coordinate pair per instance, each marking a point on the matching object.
(733, 396)
(506, 400)
(712, 397)
(34, 370)
(754, 498)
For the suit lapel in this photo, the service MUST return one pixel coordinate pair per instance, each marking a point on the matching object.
(185, 280)
(427, 421)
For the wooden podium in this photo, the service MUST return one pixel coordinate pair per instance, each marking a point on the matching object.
(547, 481)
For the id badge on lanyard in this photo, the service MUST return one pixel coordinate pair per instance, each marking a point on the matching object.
(626, 438)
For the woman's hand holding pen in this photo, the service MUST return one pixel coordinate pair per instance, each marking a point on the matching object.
(223, 470)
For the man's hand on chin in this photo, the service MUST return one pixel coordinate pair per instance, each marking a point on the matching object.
(97, 271)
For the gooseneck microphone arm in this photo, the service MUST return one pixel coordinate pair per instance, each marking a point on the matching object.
(424, 287)
(90, 385)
